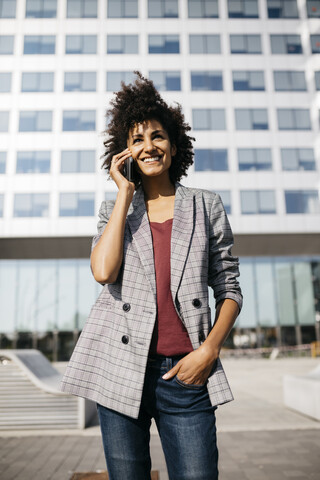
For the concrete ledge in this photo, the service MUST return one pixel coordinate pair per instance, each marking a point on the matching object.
(302, 393)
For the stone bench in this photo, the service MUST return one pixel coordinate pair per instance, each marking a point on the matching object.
(302, 393)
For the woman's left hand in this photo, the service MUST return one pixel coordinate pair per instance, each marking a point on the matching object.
(194, 368)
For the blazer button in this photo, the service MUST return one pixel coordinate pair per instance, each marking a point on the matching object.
(196, 302)
(126, 307)
(125, 339)
(201, 337)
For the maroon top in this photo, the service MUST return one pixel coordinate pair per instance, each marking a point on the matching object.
(170, 336)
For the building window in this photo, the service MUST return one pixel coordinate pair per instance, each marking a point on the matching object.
(226, 200)
(4, 121)
(254, 159)
(302, 201)
(37, 82)
(80, 81)
(251, 119)
(81, 44)
(35, 121)
(315, 43)
(76, 204)
(81, 8)
(39, 44)
(206, 80)
(166, 81)
(286, 44)
(6, 44)
(77, 161)
(5, 82)
(163, 9)
(294, 159)
(79, 120)
(110, 196)
(31, 205)
(282, 9)
(243, 9)
(164, 44)
(258, 202)
(7, 8)
(289, 81)
(114, 80)
(203, 8)
(41, 9)
(293, 119)
(122, 8)
(1, 205)
(208, 44)
(208, 119)
(33, 162)
(317, 80)
(122, 44)
(3, 160)
(245, 44)
(313, 8)
(210, 160)
(248, 80)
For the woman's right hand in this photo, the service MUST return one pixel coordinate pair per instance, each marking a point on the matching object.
(116, 169)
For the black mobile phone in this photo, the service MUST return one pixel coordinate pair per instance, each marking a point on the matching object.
(128, 169)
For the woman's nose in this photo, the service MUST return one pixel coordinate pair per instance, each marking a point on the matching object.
(148, 145)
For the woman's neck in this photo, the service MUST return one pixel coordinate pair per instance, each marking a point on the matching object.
(156, 188)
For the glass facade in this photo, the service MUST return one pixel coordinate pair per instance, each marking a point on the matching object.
(6, 44)
(293, 119)
(286, 44)
(210, 160)
(122, 8)
(81, 44)
(76, 204)
(258, 202)
(208, 119)
(163, 9)
(80, 81)
(4, 121)
(302, 201)
(243, 9)
(166, 80)
(3, 161)
(251, 119)
(78, 161)
(164, 44)
(31, 205)
(248, 80)
(203, 8)
(206, 80)
(122, 44)
(5, 82)
(204, 44)
(37, 82)
(294, 159)
(82, 8)
(290, 81)
(40, 296)
(282, 8)
(7, 8)
(41, 8)
(35, 121)
(245, 44)
(254, 159)
(33, 162)
(39, 45)
(79, 120)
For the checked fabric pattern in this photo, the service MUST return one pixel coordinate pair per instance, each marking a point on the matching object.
(109, 361)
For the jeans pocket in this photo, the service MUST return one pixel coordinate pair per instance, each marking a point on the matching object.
(192, 386)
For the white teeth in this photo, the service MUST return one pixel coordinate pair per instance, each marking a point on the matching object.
(153, 159)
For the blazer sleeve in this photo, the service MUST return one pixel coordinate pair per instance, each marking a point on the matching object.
(223, 266)
(104, 215)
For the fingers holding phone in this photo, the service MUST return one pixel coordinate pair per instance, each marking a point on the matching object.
(121, 168)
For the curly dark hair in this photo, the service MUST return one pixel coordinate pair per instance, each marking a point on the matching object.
(134, 104)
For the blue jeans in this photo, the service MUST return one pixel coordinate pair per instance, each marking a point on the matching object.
(185, 420)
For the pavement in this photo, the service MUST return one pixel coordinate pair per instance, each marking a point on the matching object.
(258, 437)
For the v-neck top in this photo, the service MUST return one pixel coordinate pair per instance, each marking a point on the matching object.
(170, 336)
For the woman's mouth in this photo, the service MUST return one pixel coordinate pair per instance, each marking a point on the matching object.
(151, 159)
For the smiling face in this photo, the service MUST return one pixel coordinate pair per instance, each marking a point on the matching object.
(150, 146)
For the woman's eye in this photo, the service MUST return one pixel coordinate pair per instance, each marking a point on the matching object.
(136, 140)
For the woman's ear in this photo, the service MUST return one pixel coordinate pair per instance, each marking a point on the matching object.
(173, 150)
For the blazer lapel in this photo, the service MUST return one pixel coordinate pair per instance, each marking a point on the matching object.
(182, 229)
(141, 233)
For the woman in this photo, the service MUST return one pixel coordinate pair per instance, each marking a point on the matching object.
(148, 349)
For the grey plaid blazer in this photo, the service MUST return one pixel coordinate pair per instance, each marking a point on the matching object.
(109, 361)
